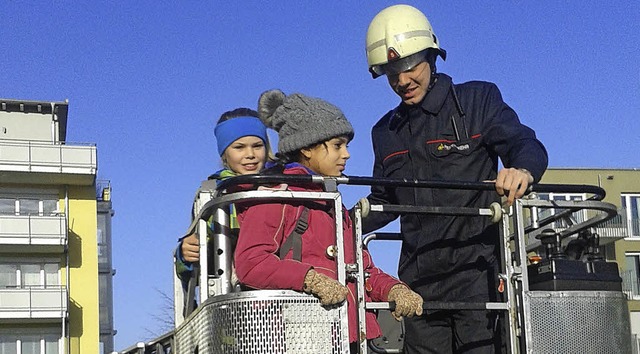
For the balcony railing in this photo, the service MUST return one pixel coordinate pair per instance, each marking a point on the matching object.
(634, 228)
(103, 190)
(48, 157)
(630, 284)
(33, 230)
(33, 303)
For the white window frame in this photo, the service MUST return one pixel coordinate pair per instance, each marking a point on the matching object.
(42, 333)
(625, 200)
(635, 295)
(564, 197)
(42, 274)
(33, 194)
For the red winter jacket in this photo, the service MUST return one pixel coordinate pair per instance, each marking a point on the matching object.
(264, 227)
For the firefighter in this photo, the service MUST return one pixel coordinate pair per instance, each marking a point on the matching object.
(444, 131)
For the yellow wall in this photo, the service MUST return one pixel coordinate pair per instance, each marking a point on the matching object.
(83, 271)
(612, 181)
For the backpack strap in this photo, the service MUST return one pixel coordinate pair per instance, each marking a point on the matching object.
(294, 241)
(190, 299)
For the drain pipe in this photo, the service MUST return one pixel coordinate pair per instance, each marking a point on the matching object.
(65, 329)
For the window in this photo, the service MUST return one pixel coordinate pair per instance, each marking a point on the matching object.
(30, 275)
(29, 207)
(51, 344)
(30, 344)
(31, 204)
(49, 207)
(8, 206)
(51, 275)
(631, 208)
(29, 341)
(8, 344)
(23, 275)
(8, 277)
(578, 216)
(631, 276)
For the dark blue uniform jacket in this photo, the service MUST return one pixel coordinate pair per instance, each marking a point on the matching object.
(443, 257)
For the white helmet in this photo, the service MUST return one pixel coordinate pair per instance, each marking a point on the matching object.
(397, 38)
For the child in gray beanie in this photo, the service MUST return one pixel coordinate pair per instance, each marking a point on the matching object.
(302, 121)
(313, 136)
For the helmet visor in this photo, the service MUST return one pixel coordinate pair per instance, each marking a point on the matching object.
(398, 66)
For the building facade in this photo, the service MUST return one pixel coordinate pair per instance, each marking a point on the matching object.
(105, 266)
(50, 293)
(619, 237)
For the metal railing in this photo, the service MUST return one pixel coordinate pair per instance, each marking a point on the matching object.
(33, 230)
(160, 345)
(630, 284)
(633, 227)
(48, 156)
(103, 190)
(33, 302)
(516, 279)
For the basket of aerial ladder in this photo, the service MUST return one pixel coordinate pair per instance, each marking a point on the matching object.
(551, 303)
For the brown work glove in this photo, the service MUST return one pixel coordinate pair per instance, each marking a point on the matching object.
(328, 290)
(407, 301)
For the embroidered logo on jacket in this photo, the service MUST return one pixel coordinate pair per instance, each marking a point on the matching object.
(449, 147)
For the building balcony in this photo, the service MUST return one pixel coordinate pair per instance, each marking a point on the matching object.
(48, 303)
(47, 162)
(33, 230)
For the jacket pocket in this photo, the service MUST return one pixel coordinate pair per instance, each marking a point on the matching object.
(393, 164)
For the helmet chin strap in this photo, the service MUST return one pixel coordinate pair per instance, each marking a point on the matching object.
(434, 79)
(431, 60)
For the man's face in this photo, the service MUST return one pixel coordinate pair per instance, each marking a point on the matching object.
(411, 85)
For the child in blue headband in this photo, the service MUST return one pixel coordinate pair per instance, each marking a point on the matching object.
(243, 146)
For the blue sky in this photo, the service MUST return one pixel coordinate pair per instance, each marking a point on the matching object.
(146, 81)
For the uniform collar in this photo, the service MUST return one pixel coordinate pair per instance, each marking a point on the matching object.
(436, 97)
(432, 102)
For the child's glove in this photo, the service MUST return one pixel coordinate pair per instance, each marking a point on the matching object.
(330, 291)
(407, 301)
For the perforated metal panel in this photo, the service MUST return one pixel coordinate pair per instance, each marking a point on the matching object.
(263, 322)
(578, 322)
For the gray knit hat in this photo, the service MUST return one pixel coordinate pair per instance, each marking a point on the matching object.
(301, 121)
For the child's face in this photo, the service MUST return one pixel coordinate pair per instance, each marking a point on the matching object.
(329, 158)
(246, 155)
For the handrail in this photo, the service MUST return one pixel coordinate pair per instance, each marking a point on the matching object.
(598, 192)
(610, 211)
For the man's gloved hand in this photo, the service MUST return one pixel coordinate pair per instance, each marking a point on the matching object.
(408, 302)
(330, 291)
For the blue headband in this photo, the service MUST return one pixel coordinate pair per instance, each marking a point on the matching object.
(235, 128)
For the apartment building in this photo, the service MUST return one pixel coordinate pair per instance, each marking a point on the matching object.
(105, 266)
(619, 237)
(50, 293)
